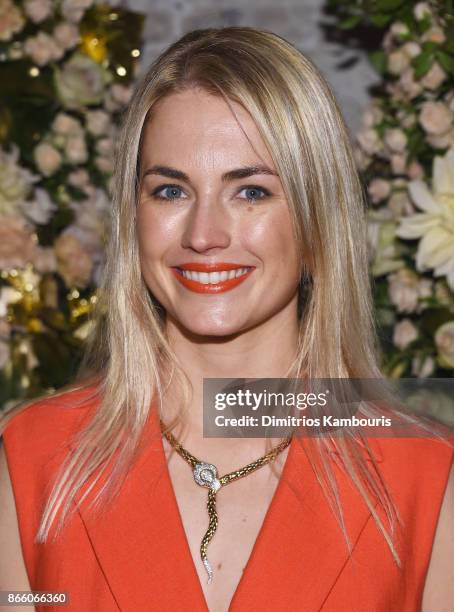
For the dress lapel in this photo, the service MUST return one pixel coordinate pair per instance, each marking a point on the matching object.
(143, 551)
(140, 543)
(301, 551)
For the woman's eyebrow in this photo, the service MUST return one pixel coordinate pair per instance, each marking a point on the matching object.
(231, 175)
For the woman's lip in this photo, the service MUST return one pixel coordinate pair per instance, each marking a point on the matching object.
(218, 266)
(207, 288)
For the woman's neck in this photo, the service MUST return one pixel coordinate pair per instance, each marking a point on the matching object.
(266, 351)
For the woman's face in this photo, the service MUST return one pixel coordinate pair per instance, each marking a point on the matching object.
(211, 207)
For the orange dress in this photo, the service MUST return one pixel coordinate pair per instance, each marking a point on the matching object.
(136, 558)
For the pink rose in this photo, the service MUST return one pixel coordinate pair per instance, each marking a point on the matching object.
(38, 10)
(17, 242)
(67, 35)
(415, 170)
(73, 262)
(405, 333)
(434, 77)
(378, 190)
(435, 117)
(47, 158)
(396, 140)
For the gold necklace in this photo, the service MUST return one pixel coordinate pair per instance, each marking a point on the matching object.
(206, 475)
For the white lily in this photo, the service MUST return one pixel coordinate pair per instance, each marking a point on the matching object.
(435, 226)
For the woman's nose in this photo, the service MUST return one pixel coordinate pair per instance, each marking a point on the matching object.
(207, 226)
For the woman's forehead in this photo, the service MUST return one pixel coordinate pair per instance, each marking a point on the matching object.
(203, 129)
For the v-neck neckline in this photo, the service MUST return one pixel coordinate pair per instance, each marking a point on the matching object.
(271, 510)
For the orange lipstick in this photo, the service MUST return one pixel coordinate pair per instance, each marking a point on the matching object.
(208, 278)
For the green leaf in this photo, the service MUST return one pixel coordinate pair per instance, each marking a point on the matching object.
(422, 63)
(446, 61)
(381, 20)
(350, 22)
(388, 5)
(378, 60)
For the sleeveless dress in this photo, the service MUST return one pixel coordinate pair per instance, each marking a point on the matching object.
(136, 557)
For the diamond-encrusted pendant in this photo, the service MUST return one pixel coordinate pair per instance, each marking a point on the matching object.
(206, 475)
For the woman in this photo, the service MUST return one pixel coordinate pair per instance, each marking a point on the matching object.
(237, 250)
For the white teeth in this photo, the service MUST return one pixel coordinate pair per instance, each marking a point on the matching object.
(213, 277)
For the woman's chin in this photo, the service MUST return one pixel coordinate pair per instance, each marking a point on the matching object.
(205, 327)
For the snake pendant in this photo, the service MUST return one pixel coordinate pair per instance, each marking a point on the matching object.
(206, 475)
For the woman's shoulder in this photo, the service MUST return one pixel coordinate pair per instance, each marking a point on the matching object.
(415, 454)
(416, 472)
(49, 421)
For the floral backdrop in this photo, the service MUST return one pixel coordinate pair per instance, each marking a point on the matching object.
(405, 151)
(66, 69)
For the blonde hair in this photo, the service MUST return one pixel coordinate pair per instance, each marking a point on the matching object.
(128, 354)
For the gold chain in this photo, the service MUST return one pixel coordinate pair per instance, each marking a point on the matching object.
(206, 474)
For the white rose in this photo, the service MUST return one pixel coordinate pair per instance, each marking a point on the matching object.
(79, 178)
(8, 295)
(409, 85)
(422, 368)
(67, 35)
(443, 141)
(396, 140)
(444, 340)
(379, 190)
(415, 170)
(38, 10)
(371, 116)
(399, 28)
(434, 34)
(65, 124)
(45, 260)
(40, 209)
(15, 182)
(98, 122)
(43, 49)
(47, 158)
(76, 150)
(105, 147)
(404, 334)
(406, 120)
(422, 10)
(11, 20)
(104, 164)
(411, 48)
(435, 117)
(398, 61)
(403, 290)
(73, 10)
(81, 82)
(369, 141)
(434, 77)
(398, 163)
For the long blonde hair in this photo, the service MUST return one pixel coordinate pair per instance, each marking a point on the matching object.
(128, 355)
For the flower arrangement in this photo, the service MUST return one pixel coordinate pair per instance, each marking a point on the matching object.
(405, 151)
(66, 69)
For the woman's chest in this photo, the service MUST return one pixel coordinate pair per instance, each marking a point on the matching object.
(241, 508)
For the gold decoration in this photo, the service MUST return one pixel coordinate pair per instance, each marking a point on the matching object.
(79, 307)
(94, 46)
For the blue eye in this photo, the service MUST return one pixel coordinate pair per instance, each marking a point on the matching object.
(171, 189)
(254, 189)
